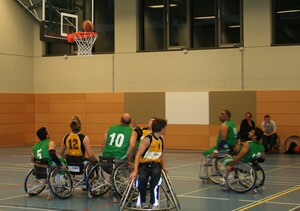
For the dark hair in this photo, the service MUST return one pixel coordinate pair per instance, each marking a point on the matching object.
(267, 116)
(42, 133)
(249, 114)
(158, 125)
(139, 132)
(228, 113)
(75, 124)
(258, 133)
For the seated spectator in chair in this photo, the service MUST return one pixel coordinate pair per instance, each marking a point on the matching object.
(45, 149)
(77, 144)
(246, 126)
(252, 151)
(270, 136)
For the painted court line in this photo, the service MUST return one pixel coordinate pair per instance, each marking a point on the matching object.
(12, 197)
(271, 202)
(295, 209)
(198, 190)
(203, 197)
(269, 198)
(26, 208)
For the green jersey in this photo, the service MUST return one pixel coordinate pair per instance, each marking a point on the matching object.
(41, 150)
(231, 136)
(255, 151)
(118, 141)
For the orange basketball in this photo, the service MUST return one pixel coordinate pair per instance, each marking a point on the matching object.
(297, 150)
(87, 26)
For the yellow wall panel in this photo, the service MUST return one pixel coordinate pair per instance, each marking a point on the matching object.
(105, 97)
(104, 108)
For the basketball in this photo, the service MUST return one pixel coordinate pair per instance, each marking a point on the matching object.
(87, 26)
(297, 150)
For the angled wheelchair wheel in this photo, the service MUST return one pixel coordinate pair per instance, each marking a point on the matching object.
(97, 185)
(170, 192)
(216, 170)
(34, 184)
(241, 178)
(120, 179)
(260, 175)
(60, 183)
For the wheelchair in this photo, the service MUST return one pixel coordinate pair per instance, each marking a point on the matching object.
(167, 196)
(79, 168)
(108, 174)
(42, 176)
(289, 140)
(244, 177)
(214, 169)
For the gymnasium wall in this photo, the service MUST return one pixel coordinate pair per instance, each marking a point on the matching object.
(16, 49)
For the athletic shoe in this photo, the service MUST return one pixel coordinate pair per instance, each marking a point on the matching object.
(144, 205)
(223, 181)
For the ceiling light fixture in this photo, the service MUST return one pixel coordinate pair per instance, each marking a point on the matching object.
(287, 11)
(162, 6)
(204, 17)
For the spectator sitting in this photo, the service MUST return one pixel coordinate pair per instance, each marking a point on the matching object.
(246, 126)
(269, 128)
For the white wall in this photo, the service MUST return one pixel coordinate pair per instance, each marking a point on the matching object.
(16, 49)
(266, 67)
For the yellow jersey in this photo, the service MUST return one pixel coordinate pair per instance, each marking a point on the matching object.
(74, 145)
(154, 150)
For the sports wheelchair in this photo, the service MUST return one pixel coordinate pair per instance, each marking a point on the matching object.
(43, 176)
(60, 183)
(167, 197)
(213, 169)
(244, 177)
(107, 174)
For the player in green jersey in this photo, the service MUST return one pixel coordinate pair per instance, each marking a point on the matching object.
(45, 149)
(251, 151)
(120, 140)
(225, 142)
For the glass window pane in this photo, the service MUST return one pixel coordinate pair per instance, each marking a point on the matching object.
(178, 30)
(104, 24)
(287, 21)
(203, 23)
(230, 21)
(152, 25)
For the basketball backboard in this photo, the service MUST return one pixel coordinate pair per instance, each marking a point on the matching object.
(58, 18)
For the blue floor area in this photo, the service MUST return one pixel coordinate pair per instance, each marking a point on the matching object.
(282, 186)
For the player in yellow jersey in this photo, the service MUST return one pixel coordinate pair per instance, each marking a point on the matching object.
(149, 161)
(76, 143)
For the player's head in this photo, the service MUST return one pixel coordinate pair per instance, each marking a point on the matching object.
(257, 134)
(149, 124)
(224, 115)
(159, 125)
(267, 118)
(125, 119)
(248, 116)
(42, 133)
(75, 124)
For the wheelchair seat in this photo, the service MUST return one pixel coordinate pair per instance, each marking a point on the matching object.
(40, 168)
(75, 164)
(107, 164)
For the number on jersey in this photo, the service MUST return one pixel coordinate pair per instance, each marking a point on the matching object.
(117, 140)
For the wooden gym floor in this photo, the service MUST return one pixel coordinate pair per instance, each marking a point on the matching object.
(282, 187)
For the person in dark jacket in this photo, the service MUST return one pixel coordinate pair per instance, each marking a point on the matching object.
(246, 126)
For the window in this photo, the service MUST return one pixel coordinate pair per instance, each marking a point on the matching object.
(286, 22)
(176, 24)
(103, 24)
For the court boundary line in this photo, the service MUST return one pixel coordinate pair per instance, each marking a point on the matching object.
(295, 208)
(266, 199)
(26, 208)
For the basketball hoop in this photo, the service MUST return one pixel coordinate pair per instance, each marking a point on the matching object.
(84, 41)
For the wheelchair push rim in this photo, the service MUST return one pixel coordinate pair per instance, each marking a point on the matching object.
(31, 179)
(241, 178)
(96, 183)
(60, 183)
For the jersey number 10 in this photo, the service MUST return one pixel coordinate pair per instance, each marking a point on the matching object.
(117, 139)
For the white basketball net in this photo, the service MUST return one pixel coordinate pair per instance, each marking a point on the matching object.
(85, 42)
